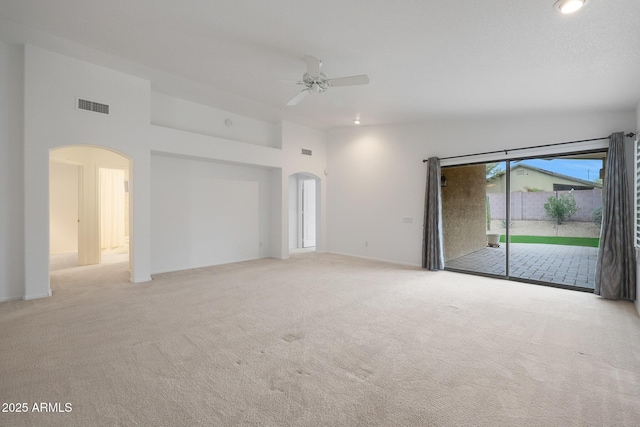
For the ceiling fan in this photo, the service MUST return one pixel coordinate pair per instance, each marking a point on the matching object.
(316, 81)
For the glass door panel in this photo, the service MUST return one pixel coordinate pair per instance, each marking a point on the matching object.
(554, 229)
(473, 215)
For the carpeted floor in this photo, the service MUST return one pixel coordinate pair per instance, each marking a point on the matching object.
(317, 339)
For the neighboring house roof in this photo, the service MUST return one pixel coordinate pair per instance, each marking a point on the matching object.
(555, 174)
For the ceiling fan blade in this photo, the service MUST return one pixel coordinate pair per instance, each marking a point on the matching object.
(313, 65)
(294, 82)
(362, 79)
(298, 97)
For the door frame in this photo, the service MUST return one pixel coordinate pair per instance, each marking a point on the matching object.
(295, 221)
(508, 161)
(302, 217)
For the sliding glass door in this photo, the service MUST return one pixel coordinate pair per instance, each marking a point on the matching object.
(540, 219)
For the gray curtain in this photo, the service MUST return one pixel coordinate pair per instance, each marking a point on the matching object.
(616, 266)
(432, 244)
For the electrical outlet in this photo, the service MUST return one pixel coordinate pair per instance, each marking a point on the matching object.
(407, 220)
(366, 244)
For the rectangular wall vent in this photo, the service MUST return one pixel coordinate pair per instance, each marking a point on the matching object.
(306, 152)
(96, 107)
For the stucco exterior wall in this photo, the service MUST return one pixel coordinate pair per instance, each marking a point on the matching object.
(464, 210)
(527, 180)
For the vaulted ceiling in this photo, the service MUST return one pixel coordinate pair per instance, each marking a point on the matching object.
(425, 59)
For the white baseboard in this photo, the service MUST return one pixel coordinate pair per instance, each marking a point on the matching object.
(390, 261)
(5, 299)
(301, 250)
(140, 280)
(194, 267)
(37, 296)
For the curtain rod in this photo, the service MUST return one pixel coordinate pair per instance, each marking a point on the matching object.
(505, 151)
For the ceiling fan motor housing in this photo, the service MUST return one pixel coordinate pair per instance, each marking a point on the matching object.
(316, 84)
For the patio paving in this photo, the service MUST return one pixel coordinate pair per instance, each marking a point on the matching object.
(558, 264)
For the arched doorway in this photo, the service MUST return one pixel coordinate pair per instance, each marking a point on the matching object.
(89, 207)
(304, 218)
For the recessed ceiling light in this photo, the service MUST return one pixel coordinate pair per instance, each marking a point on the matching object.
(569, 6)
(356, 122)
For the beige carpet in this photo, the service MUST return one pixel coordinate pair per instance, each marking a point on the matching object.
(316, 340)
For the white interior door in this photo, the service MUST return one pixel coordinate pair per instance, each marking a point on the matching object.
(308, 213)
(64, 182)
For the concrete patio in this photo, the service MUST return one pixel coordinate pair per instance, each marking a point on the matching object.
(557, 264)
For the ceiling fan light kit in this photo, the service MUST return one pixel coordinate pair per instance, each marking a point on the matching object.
(316, 81)
(569, 6)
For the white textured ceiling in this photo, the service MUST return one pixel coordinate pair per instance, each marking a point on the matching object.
(425, 59)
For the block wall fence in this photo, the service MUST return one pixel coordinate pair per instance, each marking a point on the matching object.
(529, 206)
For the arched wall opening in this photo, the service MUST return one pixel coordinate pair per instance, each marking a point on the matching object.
(89, 206)
(304, 211)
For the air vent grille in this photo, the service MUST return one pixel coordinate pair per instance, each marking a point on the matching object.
(306, 152)
(96, 107)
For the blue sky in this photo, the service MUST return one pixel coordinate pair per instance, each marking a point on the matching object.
(588, 170)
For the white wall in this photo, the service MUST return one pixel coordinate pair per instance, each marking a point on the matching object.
(176, 113)
(207, 213)
(380, 176)
(11, 172)
(182, 144)
(63, 208)
(89, 155)
(295, 137)
(52, 84)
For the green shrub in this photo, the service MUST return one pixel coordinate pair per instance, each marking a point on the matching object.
(503, 223)
(562, 207)
(596, 216)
